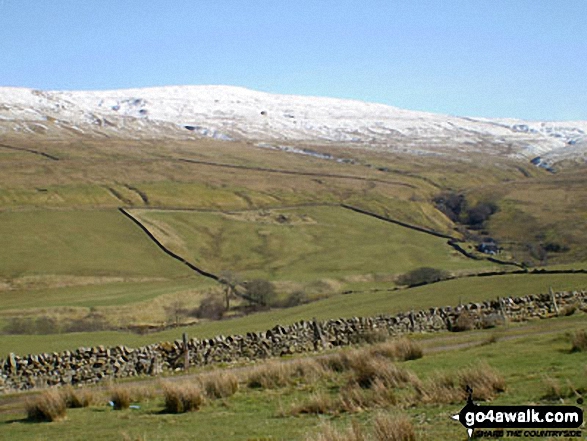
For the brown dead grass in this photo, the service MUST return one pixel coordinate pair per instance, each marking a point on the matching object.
(181, 398)
(219, 384)
(49, 406)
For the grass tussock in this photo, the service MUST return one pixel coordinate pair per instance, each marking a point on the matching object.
(329, 433)
(447, 388)
(270, 375)
(485, 381)
(49, 406)
(309, 370)
(393, 428)
(316, 404)
(366, 371)
(78, 398)
(440, 389)
(579, 341)
(120, 397)
(385, 428)
(181, 398)
(219, 384)
(402, 349)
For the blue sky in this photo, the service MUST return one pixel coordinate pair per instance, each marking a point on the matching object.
(493, 58)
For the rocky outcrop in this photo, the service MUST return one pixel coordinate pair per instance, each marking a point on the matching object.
(91, 365)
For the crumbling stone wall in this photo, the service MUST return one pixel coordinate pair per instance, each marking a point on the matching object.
(91, 365)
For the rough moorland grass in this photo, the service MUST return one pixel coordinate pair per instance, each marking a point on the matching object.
(400, 349)
(78, 398)
(181, 398)
(121, 397)
(48, 406)
(219, 384)
(386, 427)
(579, 341)
(538, 346)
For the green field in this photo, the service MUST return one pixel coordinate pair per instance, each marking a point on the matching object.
(302, 244)
(79, 243)
(447, 293)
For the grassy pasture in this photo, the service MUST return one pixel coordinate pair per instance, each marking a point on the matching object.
(82, 258)
(301, 244)
(348, 305)
(82, 243)
(529, 356)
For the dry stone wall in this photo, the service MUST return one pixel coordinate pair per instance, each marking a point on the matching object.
(91, 365)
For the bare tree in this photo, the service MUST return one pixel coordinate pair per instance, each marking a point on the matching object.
(229, 281)
(176, 310)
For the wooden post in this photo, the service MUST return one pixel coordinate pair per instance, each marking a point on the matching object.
(186, 352)
(553, 297)
(318, 338)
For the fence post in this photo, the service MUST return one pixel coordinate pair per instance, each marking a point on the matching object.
(186, 352)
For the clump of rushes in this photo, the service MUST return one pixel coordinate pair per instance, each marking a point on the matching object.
(120, 397)
(48, 406)
(219, 384)
(270, 375)
(402, 349)
(329, 433)
(317, 404)
(181, 398)
(393, 428)
(368, 370)
(485, 381)
(439, 389)
(579, 341)
(78, 398)
(385, 428)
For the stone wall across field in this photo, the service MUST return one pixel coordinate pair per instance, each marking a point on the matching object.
(91, 365)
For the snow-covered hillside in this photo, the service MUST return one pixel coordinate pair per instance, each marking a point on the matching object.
(234, 113)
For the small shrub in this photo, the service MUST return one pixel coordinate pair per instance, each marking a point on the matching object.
(393, 428)
(219, 384)
(464, 322)
(87, 324)
(579, 341)
(27, 325)
(212, 307)
(49, 406)
(261, 292)
(294, 299)
(120, 397)
(422, 276)
(181, 398)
